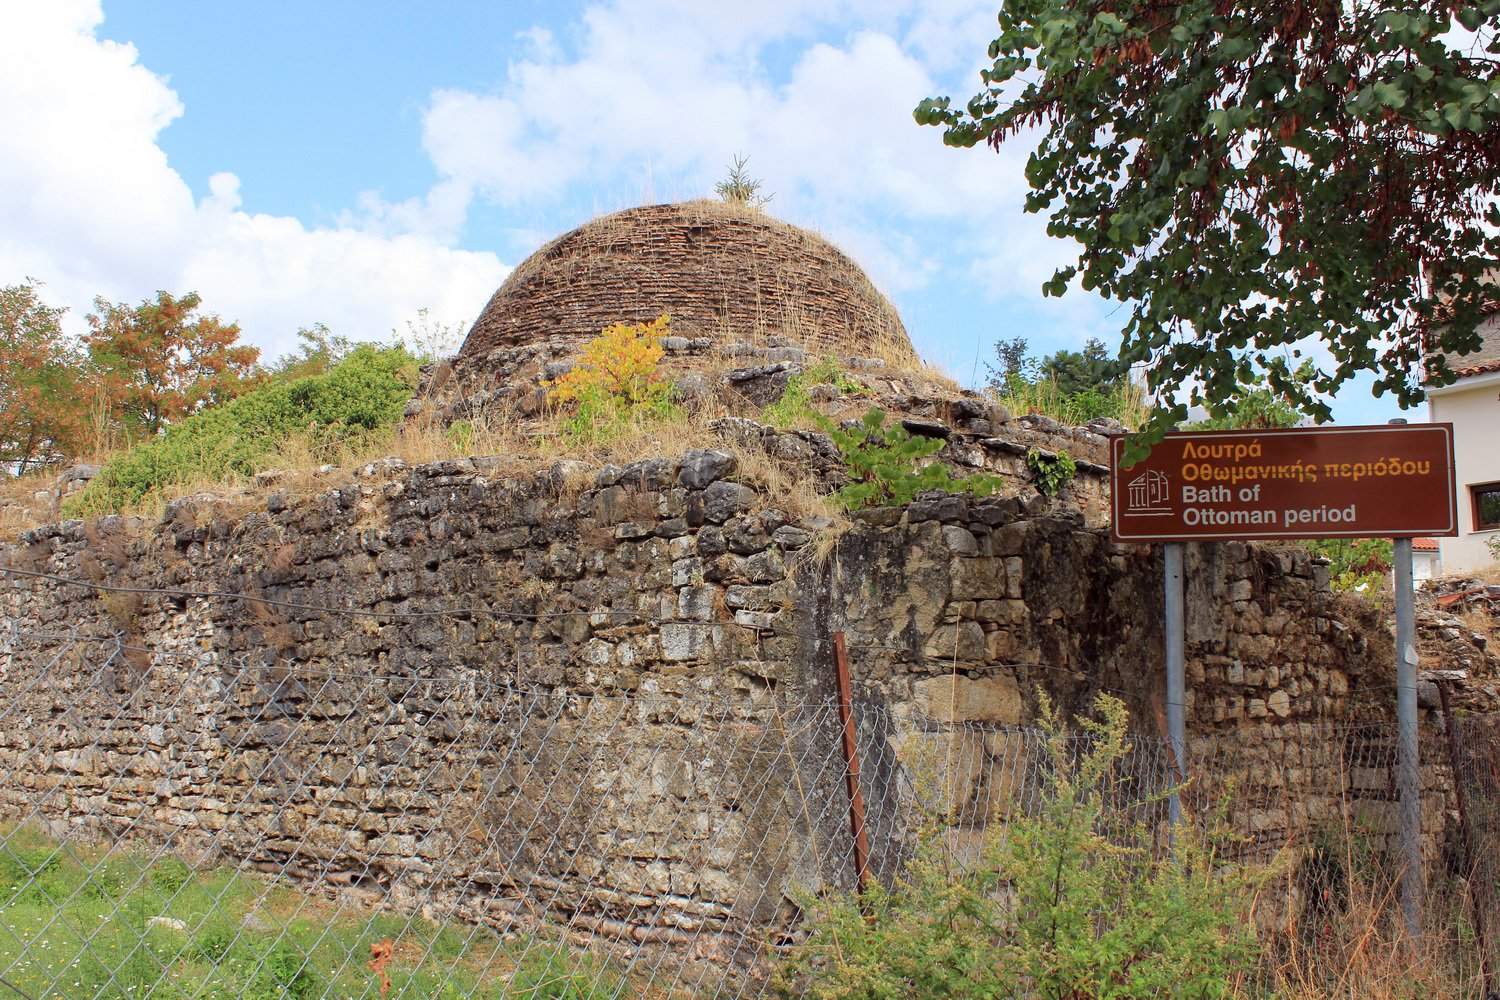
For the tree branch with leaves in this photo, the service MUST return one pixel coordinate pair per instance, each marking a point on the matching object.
(1256, 179)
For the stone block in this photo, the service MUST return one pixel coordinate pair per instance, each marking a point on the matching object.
(681, 641)
(960, 541)
(756, 619)
(722, 500)
(993, 699)
(696, 603)
(962, 641)
(702, 467)
(948, 509)
(687, 572)
(1001, 646)
(763, 567)
(977, 579)
(790, 537)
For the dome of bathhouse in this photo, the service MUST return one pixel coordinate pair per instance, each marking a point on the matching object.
(722, 272)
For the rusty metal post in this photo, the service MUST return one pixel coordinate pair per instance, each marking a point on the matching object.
(851, 763)
(1476, 886)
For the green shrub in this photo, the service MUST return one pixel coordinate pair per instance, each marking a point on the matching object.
(213, 940)
(1358, 564)
(1051, 472)
(885, 462)
(362, 395)
(795, 405)
(1125, 402)
(1075, 900)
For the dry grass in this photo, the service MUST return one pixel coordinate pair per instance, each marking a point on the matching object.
(20, 509)
(1340, 935)
(785, 488)
(1362, 955)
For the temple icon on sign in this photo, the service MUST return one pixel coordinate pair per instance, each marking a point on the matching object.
(1148, 495)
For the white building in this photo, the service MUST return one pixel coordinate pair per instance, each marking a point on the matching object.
(1426, 559)
(1472, 406)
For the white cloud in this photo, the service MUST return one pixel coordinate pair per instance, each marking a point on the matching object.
(638, 101)
(90, 205)
(655, 98)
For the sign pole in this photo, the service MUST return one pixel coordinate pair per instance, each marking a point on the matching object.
(1408, 764)
(1176, 674)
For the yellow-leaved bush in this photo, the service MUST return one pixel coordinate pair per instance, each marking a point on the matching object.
(616, 383)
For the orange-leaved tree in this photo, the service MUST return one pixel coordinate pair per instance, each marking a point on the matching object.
(42, 410)
(157, 362)
(622, 362)
(616, 381)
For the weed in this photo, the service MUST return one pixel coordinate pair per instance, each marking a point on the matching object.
(553, 973)
(1126, 401)
(740, 188)
(795, 408)
(1051, 472)
(886, 464)
(1053, 907)
(285, 974)
(78, 921)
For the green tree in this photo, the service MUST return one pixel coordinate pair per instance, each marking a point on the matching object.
(1072, 372)
(1250, 176)
(158, 363)
(1082, 371)
(318, 351)
(42, 410)
(1260, 408)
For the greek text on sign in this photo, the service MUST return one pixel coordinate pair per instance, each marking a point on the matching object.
(1339, 482)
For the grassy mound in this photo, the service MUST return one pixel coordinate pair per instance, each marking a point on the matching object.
(361, 396)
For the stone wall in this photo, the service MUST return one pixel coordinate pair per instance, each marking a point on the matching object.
(345, 685)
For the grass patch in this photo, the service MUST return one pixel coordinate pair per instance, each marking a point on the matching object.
(795, 407)
(360, 398)
(100, 923)
(1126, 402)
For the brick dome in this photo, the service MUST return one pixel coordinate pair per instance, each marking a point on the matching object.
(720, 271)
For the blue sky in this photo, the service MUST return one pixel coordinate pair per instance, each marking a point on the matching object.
(353, 162)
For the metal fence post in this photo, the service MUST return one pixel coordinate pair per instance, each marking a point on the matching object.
(1176, 667)
(1408, 765)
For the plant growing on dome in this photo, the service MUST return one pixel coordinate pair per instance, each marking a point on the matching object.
(739, 188)
(617, 383)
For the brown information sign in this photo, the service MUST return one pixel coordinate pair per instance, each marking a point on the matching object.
(1386, 481)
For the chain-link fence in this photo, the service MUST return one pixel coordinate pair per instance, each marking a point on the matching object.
(177, 826)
